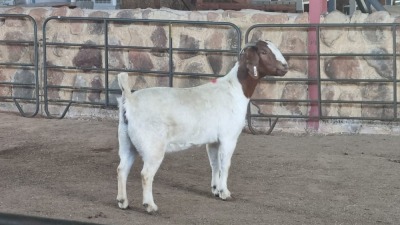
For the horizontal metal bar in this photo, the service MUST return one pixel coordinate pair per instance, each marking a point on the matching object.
(158, 73)
(321, 117)
(282, 79)
(111, 47)
(321, 101)
(181, 74)
(325, 25)
(17, 64)
(103, 69)
(287, 54)
(13, 42)
(359, 118)
(283, 116)
(18, 98)
(283, 100)
(357, 81)
(16, 84)
(76, 102)
(357, 102)
(72, 88)
(358, 54)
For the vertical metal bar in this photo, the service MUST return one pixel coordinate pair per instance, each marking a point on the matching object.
(239, 47)
(318, 76)
(106, 62)
(45, 94)
(248, 117)
(394, 26)
(36, 50)
(171, 63)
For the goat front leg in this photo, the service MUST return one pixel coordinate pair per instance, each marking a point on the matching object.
(127, 157)
(226, 150)
(151, 163)
(212, 151)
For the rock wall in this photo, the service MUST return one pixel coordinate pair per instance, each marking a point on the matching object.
(290, 40)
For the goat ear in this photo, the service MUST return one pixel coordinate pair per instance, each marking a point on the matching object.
(252, 61)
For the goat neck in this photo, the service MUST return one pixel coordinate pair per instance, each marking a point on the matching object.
(248, 83)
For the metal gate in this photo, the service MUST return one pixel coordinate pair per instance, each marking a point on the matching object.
(107, 46)
(322, 102)
(23, 86)
(103, 26)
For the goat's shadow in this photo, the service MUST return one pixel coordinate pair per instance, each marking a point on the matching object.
(193, 189)
(134, 208)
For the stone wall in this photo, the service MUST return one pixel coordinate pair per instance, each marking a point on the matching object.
(289, 40)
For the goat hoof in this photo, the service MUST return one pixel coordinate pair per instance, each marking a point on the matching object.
(122, 204)
(150, 208)
(225, 195)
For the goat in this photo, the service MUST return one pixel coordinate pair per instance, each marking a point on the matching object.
(157, 120)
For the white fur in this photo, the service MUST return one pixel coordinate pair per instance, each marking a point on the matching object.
(276, 52)
(158, 120)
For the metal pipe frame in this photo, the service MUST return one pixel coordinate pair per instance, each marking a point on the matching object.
(34, 65)
(393, 103)
(106, 47)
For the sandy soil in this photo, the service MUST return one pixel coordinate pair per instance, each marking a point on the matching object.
(67, 169)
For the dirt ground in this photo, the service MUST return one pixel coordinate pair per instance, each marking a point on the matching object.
(67, 169)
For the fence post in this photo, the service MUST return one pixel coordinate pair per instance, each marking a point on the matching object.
(317, 7)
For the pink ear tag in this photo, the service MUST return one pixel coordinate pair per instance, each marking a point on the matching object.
(214, 81)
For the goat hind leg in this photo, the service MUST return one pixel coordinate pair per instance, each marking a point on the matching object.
(127, 157)
(150, 167)
(212, 151)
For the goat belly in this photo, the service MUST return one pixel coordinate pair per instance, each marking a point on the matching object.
(173, 147)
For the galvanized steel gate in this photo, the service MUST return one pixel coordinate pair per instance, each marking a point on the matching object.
(106, 47)
(19, 90)
(321, 102)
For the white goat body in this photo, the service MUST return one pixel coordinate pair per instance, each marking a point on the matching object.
(183, 117)
(154, 121)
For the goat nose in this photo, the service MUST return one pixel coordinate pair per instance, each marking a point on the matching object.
(285, 66)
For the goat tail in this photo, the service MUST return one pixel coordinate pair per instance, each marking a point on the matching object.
(123, 82)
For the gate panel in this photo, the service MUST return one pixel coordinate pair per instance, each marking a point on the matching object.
(167, 56)
(19, 81)
(356, 81)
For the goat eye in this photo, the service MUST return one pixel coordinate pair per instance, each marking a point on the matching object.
(264, 52)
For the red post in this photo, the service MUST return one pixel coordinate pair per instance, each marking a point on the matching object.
(316, 9)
